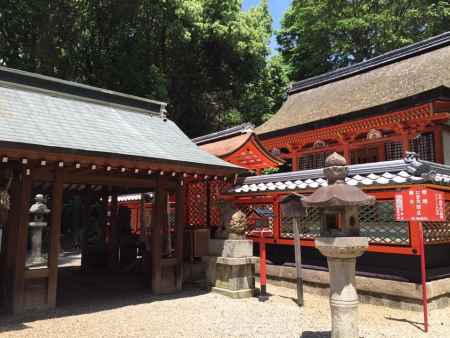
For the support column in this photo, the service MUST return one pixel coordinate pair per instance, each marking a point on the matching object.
(347, 155)
(158, 225)
(295, 162)
(439, 144)
(11, 241)
(405, 142)
(179, 237)
(114, 243)
(22, 237)
(55, 232)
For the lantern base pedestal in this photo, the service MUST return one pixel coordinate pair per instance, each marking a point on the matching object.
(231, 276)
(341, 253)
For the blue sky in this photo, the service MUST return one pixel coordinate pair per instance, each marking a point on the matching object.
(276, 7)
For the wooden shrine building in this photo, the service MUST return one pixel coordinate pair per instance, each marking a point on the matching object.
(71, 142)
(239, 145)
(372, 111)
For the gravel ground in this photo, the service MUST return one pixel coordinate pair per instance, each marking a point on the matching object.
(195, 313)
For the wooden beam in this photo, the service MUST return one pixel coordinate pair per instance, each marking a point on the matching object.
(159, 221)
(114, 160)
(55, 232)
(180, 218)
(22, 237)
(110, 179)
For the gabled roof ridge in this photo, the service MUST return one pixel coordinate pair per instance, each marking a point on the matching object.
(393, 56)
(226, 133)
(44, 83)
(412, 166)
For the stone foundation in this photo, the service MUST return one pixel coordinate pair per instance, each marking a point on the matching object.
(230, 268)
(393, 294)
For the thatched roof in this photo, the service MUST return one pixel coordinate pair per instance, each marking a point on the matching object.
(390, 77)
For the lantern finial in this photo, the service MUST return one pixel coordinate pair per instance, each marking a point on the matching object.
(335, 169)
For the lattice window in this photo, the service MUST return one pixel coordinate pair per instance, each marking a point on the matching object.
(261, 213)
(197, 204)
(438, 232)
(378, 223)
(313, 161)
(423, 146)
(215, 189)
(393, 151)
(364, 155)
(309, 225)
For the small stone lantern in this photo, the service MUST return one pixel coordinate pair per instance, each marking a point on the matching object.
(38, 210)
(340, 242)
(292, 207)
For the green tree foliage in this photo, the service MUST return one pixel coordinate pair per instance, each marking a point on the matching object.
(321, 35)
(207, 58)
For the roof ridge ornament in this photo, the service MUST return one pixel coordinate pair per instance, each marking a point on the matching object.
(411, 156)
(163, 112)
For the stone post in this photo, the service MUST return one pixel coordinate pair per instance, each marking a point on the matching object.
(341, 253)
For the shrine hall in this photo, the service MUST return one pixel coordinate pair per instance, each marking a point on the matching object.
(67, 151)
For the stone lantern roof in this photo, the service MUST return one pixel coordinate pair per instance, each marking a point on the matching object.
(337, 193)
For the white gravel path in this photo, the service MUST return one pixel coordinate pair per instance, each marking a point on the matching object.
(195, 313)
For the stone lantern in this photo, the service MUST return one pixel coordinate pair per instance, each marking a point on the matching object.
(38, 210)
(339, 241)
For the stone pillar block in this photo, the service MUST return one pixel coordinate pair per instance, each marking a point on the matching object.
(234, 248)
(231, 267)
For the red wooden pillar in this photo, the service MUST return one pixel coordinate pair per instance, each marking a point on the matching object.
(405, 142)
(438, 143)
(381, 153)
(295, 162)
(159, 221)
(276, 225)
(11, 241)
(22, 237)
(347, 156)
(262, 269)
(114, 240)
(180, 218)
(423, 274)
(55, 232)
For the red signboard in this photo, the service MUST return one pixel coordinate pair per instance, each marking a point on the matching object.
(420, 204)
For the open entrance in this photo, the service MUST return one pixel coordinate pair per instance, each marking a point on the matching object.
(78, 243)
(106, 244)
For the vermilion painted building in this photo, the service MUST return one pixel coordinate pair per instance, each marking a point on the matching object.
(239, 145)
(372, 113)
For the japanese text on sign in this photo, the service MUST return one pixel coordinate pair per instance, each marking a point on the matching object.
(420, 204)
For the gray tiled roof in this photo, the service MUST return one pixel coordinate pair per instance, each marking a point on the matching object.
(226, 133)
(406, 171)
(53, 119)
